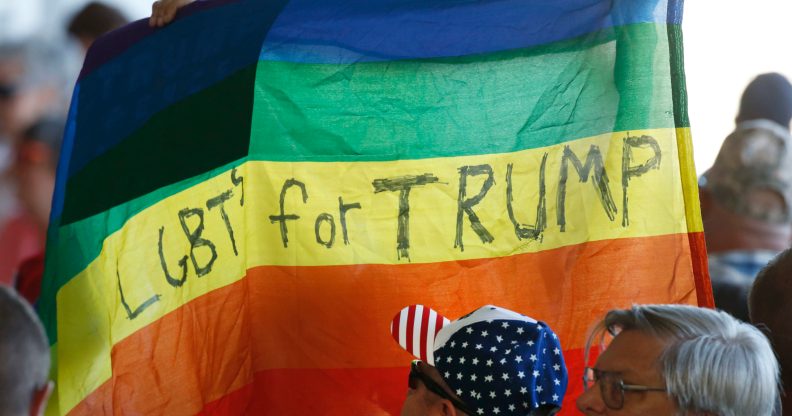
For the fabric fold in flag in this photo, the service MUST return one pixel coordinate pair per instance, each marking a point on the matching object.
(246, 195)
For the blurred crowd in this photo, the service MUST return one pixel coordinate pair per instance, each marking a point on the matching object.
(745, 205)
(36, 81)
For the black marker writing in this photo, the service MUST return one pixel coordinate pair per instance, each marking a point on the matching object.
(629, 171)
(182, 263)
(195, 239)
(465, 205)
(342, 209)
(403, 184)
(282, 218)
(525, 231)
(600, 181)
(325, 218)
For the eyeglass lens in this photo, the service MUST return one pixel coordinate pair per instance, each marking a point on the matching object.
(610, 387)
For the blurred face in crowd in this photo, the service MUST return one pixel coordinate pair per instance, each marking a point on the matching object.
(421, 400)
(770, 308)
(20, 104)
(34, 173)
(631, 360)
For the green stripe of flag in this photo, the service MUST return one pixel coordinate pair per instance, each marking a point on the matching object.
(494, 103)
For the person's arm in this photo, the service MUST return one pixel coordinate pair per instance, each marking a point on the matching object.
(163, 11)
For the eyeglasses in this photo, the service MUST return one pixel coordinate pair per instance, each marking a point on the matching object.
(431, 385)
(612, 387)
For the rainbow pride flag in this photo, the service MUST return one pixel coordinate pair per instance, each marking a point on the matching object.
(247, 196)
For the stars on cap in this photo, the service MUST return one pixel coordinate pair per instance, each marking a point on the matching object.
(524, 375)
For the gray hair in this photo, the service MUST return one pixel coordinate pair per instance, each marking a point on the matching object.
(24, 354)
(712, 363)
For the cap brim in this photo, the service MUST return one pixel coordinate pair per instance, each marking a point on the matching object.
(415, 327)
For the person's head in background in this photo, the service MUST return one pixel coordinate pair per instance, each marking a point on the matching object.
(24, 358)
(770, 306)
(751, 179)
(488, 362)
(746, 196)
(36, 159)
(35, 81)
(767, 97)
(94, 20)
(668, 360)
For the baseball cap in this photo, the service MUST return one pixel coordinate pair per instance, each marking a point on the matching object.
(494, 359)
(754, 168)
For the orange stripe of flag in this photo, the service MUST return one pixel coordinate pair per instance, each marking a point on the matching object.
(275, 317)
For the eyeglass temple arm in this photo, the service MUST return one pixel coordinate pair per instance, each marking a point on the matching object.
(635, 387)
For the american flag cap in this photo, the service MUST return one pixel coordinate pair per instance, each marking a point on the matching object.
(496, 360)
(415, 328)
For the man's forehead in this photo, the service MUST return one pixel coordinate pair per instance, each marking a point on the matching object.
(631, 352)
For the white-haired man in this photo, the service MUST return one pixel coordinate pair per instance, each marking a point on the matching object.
(680, 360)
(24, 358)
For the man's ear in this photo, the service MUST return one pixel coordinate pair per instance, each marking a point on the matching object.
(448, 408)
(40, 398)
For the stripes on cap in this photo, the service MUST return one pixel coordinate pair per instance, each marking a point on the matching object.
(415, 328)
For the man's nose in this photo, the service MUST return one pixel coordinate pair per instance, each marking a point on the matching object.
(590, 402)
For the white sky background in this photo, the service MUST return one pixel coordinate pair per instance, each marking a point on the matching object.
(727, 43)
